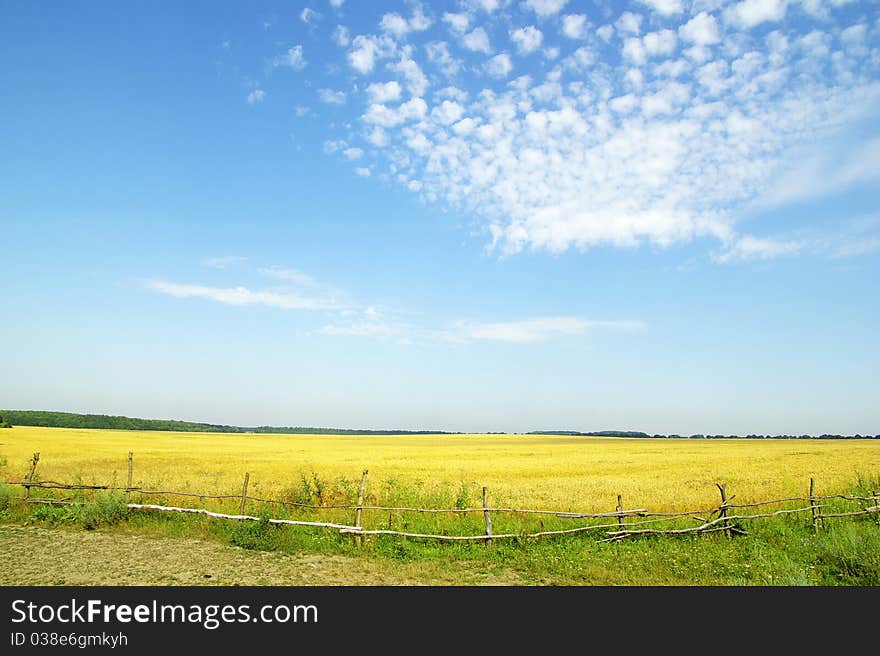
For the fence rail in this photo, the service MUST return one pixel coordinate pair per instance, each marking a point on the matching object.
(627, 522)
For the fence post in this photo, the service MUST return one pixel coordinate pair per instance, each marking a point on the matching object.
(876, 495)
(30, 476)
(486, 516)
(813, 509)
(358, 513)
(244, 488)
(722, 487)
(128, 487)
(620, 513)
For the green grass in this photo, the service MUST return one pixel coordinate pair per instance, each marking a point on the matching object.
(782, 550)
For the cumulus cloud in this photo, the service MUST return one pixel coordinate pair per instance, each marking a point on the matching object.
(477, 41)
(665, 7)
(309, 16)
(439, 54)
(629, 23)
(527, 39)
(366, 49)
(397, 25)
(701, 30)
(384, 92)
(341, 36)
(458, 22)
(387, 117)
(574, 26)
(256, 96)
(499, 65)
(331, 97)
(750, 13)
(293, 58)
(544, 8)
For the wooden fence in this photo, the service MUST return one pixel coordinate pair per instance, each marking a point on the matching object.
(619, 524)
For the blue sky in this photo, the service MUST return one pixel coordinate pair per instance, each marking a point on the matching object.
(472, 215)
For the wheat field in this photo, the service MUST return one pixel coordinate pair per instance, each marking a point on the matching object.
(531, 471)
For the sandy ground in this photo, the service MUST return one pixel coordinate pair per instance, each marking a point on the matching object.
(38, 556)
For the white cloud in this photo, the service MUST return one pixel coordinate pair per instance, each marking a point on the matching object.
(309, 16)
(367, 49)
(331, 97)
(353, 154)
(439, 55)
(499, 65)
(362, 171)
(386, 92)
(544, 8)
(336, 4)
(288, 275)
(458, 23)
(242, 296)
(536, 330)
(256, 96)
(293, 58)
(378, 137)
(477, 41)
(399, 26)
(415, 80)
(660, 43)
(367, 328)
(665, 7)
(384, 116)
(829, 171)
(634, 50)
(341, 36)
(447, 112)
(489, 6)
(574, 26)
(225, 261)
(629, 23)
(750, 13)
(754, 248)
(674, 141)
(605, 32)
(701, 30)
(395, 24)
(527, 39)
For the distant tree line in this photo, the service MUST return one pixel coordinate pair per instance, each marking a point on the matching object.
(700, 436)
(75, 420)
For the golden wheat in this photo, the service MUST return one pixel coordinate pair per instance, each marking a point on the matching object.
(545, 472)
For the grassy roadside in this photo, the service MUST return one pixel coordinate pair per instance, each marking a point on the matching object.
(778, 551)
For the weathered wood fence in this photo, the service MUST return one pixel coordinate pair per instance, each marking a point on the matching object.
(725, 518)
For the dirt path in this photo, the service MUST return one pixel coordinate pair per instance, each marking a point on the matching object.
(38, 556)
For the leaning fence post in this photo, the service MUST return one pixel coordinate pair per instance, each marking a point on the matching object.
(814, 510)
(619, 513)
(128, 487)
(244, 488)
(486, 516)
(722, 487)
(358, 513)
(30, 476)
(876, 495)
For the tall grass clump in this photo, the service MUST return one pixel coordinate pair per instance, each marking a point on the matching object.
(6, 496)
(103, 510)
